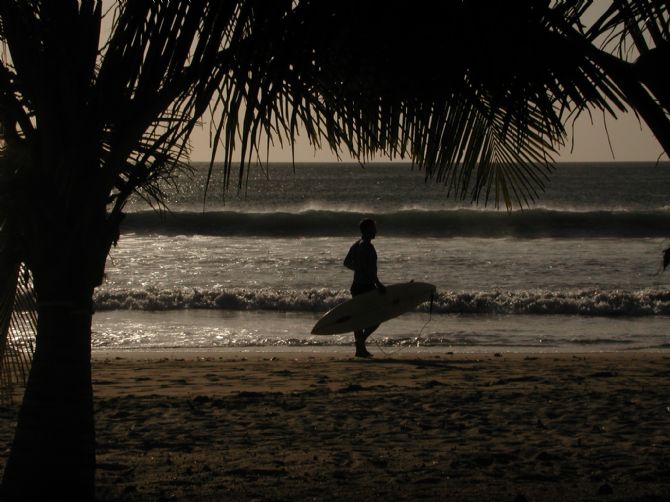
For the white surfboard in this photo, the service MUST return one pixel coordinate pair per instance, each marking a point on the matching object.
(372, 308)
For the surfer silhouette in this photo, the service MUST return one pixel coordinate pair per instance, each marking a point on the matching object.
(362, 259)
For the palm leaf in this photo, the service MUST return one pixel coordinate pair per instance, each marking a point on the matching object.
(473, 92)
(347, 88)
(629, 42)
(18, 326)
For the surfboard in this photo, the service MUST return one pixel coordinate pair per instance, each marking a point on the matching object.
(373, 307)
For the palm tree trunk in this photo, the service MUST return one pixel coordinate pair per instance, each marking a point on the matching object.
(53, 454)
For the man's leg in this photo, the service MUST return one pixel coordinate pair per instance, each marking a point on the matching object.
(360, 337)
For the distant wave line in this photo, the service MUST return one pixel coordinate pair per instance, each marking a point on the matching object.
(442, 223)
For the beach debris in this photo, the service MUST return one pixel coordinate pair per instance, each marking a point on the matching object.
(604, 374)
(605, 489)
(433, 383)
(545, 456)
(352, 387)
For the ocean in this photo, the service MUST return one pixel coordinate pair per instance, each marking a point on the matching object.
(580, 270)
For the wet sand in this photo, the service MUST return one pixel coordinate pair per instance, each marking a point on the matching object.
(306, 426)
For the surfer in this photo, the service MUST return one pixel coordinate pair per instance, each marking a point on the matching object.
(362, 259)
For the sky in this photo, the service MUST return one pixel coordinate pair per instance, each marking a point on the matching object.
(630, 140)
(629, 136)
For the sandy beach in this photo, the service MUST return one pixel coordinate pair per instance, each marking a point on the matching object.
(323, 426)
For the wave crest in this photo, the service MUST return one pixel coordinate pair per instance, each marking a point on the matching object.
(442, 223)
(537, 302)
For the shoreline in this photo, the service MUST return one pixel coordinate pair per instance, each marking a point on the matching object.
(252, 330)
(347, 352)
(300, 425)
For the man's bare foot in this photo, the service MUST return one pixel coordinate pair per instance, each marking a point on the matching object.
(365, 354)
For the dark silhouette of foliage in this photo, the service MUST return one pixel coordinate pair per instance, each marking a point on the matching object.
(475, 92)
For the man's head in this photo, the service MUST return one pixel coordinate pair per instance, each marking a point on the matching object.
(368, 228)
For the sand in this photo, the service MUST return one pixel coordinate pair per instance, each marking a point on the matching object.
(432, 426)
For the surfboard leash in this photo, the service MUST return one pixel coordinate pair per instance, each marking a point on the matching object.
(418, 337)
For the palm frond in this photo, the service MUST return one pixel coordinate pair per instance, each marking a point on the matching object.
(631, 40)
(376, 78)
(629, 28)
(473, 92)
(18, 327)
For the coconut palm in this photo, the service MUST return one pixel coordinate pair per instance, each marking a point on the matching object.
(474, 92)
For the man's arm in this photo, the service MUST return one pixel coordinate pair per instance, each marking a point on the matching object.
(350, 260)
(378, 283)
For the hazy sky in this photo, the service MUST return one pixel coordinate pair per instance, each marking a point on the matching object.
(631, 140)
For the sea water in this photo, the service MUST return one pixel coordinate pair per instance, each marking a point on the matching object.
(580, 269)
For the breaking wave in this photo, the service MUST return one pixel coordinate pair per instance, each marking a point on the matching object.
(646, 302)
(442, 223)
